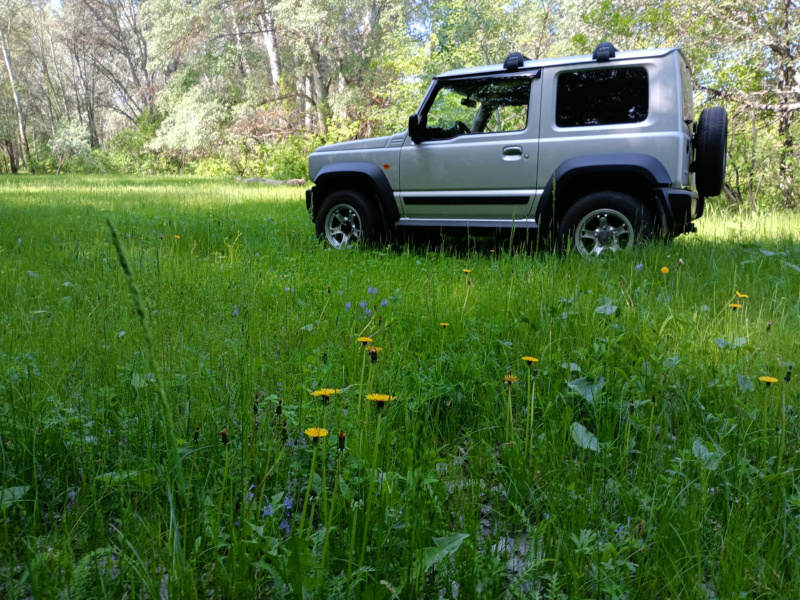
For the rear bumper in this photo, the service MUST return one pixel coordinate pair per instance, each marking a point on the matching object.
(681, 207)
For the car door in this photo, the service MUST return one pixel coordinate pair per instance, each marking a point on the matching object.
(478, 158)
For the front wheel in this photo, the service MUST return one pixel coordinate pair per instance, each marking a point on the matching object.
(345, 218)
(603, 222)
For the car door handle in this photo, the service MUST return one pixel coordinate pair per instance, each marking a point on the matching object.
(512, 151)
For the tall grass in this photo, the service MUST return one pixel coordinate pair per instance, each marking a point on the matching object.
(643, 458)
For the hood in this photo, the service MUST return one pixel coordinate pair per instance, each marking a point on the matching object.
(378, 142)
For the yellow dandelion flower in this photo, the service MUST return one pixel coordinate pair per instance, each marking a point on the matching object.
(380, 398)
(364, 340)
(325, 392)
(373, 353)
(768, 380)
(530, 359)
(467, 271)
(177, 237)
(734, 306)
(510, 379)
(444, 325)
(316, 432)
(740, 295)
(665, 270)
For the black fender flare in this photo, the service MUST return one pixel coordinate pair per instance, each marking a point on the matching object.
(343, 175)
(579, 171)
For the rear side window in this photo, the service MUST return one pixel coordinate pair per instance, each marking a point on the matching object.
(602, 97)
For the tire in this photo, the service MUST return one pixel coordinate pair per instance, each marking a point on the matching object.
(346, 218)
(711, 150)
(604, 222)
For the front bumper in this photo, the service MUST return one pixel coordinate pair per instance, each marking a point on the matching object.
(310, 203)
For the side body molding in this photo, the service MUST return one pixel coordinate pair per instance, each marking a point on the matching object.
(362, 175)
(583, 174)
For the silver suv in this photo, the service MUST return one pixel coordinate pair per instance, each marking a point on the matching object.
(596, 153)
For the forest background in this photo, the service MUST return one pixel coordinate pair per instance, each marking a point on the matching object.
(250, 87)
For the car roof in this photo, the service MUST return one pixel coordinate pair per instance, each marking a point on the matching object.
(584, 59)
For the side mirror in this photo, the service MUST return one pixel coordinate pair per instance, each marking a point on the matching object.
(415, 130)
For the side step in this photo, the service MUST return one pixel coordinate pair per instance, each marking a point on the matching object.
(462, 224)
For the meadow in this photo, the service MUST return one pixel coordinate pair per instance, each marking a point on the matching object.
(175, 451)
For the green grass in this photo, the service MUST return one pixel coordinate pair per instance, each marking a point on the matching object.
(643, 460)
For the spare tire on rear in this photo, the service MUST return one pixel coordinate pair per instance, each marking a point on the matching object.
(711, 149)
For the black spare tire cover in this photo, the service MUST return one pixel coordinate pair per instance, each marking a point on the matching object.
(711, 145)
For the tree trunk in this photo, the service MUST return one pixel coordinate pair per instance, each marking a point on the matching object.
(270, 43)
(61, 163)
(240, 46)
(786, 81)
(12, 158)
(20, 117)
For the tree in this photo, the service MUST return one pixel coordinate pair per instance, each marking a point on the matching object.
(71, 138)
(8, 17)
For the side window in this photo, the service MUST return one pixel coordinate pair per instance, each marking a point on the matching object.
(602, 97)
(479, 106)
(686, 96)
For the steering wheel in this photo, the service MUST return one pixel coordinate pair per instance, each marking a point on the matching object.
(461, 127)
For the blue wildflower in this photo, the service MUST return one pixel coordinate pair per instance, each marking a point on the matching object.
(235, 311)
(267, 510)
(363, 304)
(19, 241)
(347, 306)
(639, 266)
(384, 302)
(285, 527)
(288, 503)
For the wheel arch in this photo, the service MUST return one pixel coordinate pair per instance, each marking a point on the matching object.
(640, 175)
(360, 176)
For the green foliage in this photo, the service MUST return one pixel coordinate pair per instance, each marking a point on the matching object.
(70, 138)
(654, 460)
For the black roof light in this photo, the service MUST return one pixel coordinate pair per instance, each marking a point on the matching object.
(514, 61)
(604, 52)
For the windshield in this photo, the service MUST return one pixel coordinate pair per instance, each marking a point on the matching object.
(482, 106)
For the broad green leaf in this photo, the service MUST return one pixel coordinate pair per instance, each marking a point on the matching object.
(710, 460)
(302, 567)
(583, 437)
(115, 478)
(445, 546)
(606, 309)
(586, 388)
(722, 344)
(673, 361)
(738, 342)
(745, 384)
(9, 496)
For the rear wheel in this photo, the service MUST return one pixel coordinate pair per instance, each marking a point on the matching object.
(346, 218)
(603, 222)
